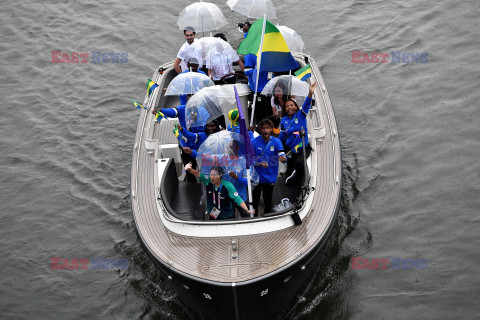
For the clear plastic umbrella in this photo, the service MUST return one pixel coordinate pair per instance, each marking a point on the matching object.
(206, 105)
(203, 16)
(224, 149)
(188, 83)
(292, 38)
(253, 8)
(290, 85)
(210, 44)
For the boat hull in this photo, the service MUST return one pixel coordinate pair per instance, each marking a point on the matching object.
(279, 290)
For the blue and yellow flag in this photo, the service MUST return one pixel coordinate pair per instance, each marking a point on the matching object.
(159, 116)
(138, 105)
(151, 86)
(297, 146)
(304, 73)
(276, 55)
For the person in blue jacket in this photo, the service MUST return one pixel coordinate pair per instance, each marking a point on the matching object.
(195, 139)
(190, 142)
(293, 120)
(268, 151)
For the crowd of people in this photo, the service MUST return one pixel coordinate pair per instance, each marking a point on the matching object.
(281, 124)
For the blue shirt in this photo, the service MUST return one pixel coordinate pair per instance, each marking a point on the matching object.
(251, 62)
(233, 128)
(179, 112)
(291, 127)
(238, 166)
(192, 140)
(267, 151)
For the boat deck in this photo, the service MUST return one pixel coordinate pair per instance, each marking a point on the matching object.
(211, 258)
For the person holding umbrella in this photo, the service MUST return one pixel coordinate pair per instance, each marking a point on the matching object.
(295, 120)
(220, 193)
(190, 142)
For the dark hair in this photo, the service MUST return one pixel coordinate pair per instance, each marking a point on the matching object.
(284, 96)
(219, 170)
(192, 29)
(249, 24)
(265, 122)
(221, 36)
(217, 126)
(284, 111)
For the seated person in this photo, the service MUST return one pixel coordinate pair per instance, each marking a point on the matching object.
(268, 151)
(291, 125)
(220, 193)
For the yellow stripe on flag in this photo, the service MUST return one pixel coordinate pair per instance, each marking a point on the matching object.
(300, 76)
(274, 42)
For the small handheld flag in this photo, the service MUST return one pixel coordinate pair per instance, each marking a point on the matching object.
(295, 149)
(138, 105)
(159, 116)
(151, 86)
(175, 131)
(304, 73)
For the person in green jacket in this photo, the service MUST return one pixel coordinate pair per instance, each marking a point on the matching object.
(220, 193)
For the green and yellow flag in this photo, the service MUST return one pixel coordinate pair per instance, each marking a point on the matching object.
(151, 86)
(138, 105)
(159, 116)
(276, 55)
(304, 73)
(297, 147)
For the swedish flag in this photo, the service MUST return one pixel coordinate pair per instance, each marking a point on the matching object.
(151, 86)
(304, 73)
(138, 105)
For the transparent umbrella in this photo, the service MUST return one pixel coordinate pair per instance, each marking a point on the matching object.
(224, 149)
(290, 85)
(253, 8)
(292, 38)
(206, 105)
(210, 44)
(203, 16)
(188, 83)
